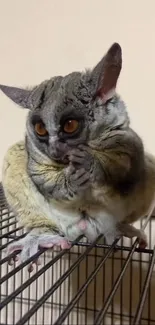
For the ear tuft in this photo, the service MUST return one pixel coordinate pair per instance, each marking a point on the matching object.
(17, 95)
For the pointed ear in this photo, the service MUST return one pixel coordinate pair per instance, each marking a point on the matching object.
(22, 97)
(106, 73)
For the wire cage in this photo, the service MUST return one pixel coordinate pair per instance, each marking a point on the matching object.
(88, 284)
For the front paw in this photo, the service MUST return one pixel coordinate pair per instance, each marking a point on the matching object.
(82, 158)
(24, 249)
(78, 180)
(29, 246)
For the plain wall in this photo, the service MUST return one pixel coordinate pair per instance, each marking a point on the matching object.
(40, 39)
(43, 38)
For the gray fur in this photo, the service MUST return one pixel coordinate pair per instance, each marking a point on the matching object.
(90, 97)
(83, 184)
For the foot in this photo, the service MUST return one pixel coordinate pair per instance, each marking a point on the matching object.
(130, 232)
(29, 246)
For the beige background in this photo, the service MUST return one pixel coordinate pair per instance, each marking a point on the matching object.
(42, 38)
(39, 39)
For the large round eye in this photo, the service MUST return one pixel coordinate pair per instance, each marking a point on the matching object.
(71, 126)
(40, 129)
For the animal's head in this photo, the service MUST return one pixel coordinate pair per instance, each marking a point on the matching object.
(67, 111)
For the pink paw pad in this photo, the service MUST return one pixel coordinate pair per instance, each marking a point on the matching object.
(64, 244)
(142, 243)
(82, 224)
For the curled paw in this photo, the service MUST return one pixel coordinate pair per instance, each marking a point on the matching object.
(78, 179)
(23, 249)
(81, 157)
(130, 231)
(29, 246)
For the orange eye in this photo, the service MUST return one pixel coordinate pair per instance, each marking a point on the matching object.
(40, 129)
(71, 126)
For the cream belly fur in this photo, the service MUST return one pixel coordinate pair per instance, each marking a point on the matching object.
(42, 217)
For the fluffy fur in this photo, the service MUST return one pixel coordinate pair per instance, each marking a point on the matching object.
(96, 180)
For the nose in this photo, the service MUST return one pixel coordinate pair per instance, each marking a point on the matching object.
(57, 148)
(53, 139)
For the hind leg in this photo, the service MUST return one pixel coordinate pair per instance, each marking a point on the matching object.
(130, 231)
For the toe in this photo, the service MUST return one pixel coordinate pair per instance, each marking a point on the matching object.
(30, 268)
(14, 247)
(64, 244)
(142, 243)
(46, 245)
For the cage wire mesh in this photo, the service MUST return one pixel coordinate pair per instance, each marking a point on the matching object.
(89, 284)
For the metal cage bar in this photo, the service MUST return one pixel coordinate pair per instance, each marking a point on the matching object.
(80, 252)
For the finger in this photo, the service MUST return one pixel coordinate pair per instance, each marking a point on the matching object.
(14, 248)
(83, 147)
(30, 268)
(77, 153)
(78, 174)
(64, 244)
(83, 179)
(76, 159)
(11, 261)
(70, 170)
